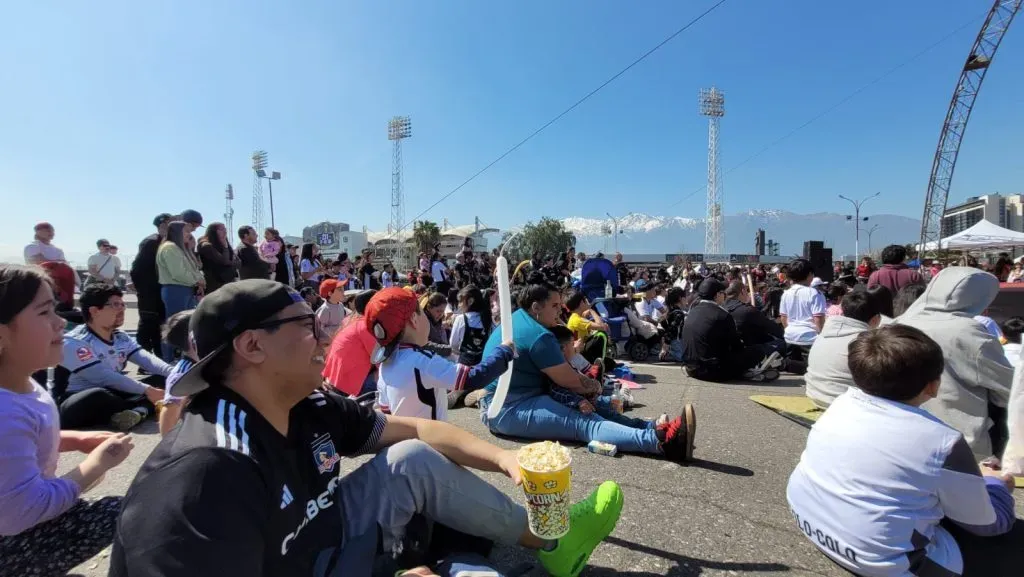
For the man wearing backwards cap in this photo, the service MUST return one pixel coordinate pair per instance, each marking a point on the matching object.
(712, 347)
(41, 250)
(248, 483)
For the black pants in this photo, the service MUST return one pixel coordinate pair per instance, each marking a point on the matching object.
(151, 318)
(93, 407)
(729, 367)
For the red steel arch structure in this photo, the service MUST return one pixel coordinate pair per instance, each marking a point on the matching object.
(971, 77)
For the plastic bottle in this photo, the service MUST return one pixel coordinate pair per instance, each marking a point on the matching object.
(608, 289)
(617, 404)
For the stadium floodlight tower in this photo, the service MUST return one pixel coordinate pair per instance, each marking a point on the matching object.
(259, 166)
(399, 128)
(259, 162)
(712, 105)
(229, 212)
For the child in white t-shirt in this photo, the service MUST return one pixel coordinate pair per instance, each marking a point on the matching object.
(879, 473)
(802, 308)
(412, 381)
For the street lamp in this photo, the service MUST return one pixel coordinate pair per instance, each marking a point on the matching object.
(615, 230)
(857, 220)
(259, 164)
(870, 232)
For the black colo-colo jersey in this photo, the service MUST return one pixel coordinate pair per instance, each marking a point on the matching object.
(225, 494)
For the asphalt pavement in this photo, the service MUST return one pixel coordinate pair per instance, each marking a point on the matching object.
(724, 514)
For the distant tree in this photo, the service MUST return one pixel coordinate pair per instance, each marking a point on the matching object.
(547, 237)
(425, 234)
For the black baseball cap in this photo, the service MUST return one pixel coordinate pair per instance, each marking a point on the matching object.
(710, 287)
(223, 315)
(192, 217)
(162, 218)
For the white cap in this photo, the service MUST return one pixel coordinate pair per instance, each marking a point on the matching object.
(817, 282)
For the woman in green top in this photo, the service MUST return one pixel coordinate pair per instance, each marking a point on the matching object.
(181, 279)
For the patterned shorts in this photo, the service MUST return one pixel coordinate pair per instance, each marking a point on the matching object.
(58, 545)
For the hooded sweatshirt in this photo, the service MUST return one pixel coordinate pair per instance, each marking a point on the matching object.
(976, 370)
(828, 369)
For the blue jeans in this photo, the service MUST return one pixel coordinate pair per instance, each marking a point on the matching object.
(177, 298)
(541, 417)
(603, 408)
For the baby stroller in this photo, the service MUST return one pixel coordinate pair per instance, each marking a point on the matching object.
(596, 276)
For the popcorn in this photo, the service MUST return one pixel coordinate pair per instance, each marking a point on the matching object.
(544, 457)
(546, 472)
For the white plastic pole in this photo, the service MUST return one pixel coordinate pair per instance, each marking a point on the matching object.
(505, 304)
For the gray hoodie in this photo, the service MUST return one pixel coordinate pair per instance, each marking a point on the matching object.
(828, 370)
(976, 371)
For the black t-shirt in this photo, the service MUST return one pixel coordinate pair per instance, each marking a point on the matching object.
(225, 494)
(366, 277)
(143, 272)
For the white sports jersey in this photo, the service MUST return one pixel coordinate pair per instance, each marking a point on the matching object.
(94, 362)
(875, 480)
(414, 382)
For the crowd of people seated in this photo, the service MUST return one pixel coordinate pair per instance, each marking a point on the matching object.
(250, 368)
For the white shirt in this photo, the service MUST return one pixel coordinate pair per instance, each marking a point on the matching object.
(385, 280)
(439, 271)
(876, 478)
(1012, 352)
(48, 252)
(800, 304)
(649, 308)
(415, 383)
(307, 266)
(106, 263)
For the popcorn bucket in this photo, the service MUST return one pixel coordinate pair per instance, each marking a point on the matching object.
(546, 469)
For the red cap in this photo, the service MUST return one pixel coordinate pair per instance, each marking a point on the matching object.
(327, 287)
(387, 313)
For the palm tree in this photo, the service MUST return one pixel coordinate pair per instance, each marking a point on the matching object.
(425, 235)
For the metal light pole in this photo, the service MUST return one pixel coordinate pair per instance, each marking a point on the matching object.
(871, 231)
(259, 167)
(712, 105)
(399, 128)
(615, 231)
(856, 218)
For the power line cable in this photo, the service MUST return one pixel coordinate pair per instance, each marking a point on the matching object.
(835, 106)
(576, 104)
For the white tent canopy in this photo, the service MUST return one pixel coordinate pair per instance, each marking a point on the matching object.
(984, 234)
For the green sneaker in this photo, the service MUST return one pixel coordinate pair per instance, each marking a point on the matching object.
(591, 520)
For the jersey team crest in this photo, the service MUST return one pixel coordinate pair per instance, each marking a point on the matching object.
(325, 455)
(83, 354)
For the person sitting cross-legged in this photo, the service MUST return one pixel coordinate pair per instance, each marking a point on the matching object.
(828, 368)
(98, 393)
(712, 347)
(882, 481)
(251, 481)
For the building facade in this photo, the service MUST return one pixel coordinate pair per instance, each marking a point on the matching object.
(1005, 210)
(335, 238)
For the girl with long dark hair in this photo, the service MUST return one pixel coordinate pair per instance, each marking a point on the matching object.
(310, 267)
(46, 528)
(177, 267)
(472, 326)
(219, 263)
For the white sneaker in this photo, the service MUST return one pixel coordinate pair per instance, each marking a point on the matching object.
(772, 361)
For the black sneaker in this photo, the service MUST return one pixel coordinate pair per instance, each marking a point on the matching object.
(679, 435)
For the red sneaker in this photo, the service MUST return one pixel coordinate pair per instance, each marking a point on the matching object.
(679, 435)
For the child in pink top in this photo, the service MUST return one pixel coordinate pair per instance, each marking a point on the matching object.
(270, 247)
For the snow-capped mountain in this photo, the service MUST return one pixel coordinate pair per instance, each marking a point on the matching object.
(646, 234)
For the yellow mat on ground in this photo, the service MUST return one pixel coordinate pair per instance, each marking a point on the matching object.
(800, 410)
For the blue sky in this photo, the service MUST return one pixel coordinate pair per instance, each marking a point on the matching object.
(115, 111)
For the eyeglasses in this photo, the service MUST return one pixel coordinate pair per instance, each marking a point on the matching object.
(273, 324)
